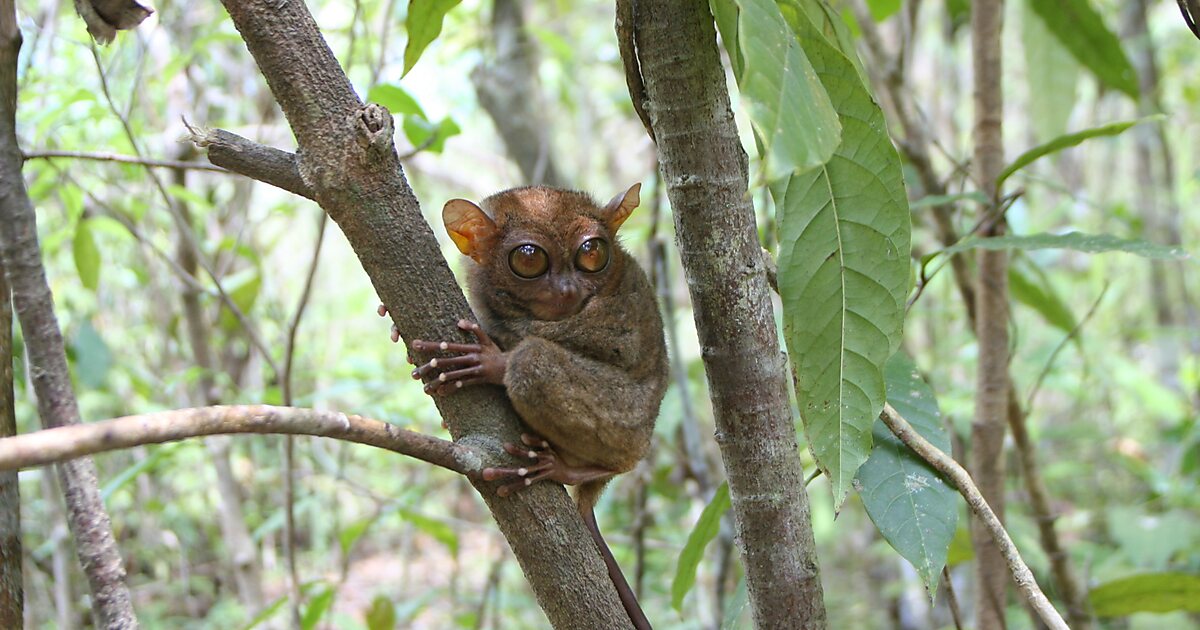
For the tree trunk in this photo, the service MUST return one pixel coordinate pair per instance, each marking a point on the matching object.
(12, 595)
(348, 159)
(991, 327)
(705, 169)
(34, 305)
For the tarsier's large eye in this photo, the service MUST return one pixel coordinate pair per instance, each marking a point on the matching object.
(592, 255)
(528, 261)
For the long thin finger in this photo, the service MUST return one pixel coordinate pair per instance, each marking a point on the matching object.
(476, 330)
(441, 363)
(492, 474)
(517, 451)
(445, 346)
(459, 375)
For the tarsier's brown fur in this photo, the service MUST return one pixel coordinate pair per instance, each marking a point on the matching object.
(580, 352)
(590, 384)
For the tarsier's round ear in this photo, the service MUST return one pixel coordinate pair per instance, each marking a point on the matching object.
(622, 206)
(468, 226)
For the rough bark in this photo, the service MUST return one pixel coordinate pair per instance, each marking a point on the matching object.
(991, 327)
(705, 170)
(12, 596)
(347, 157)
(509, 92)
(89, 522)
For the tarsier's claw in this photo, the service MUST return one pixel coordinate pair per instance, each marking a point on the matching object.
(382, 310)
(395, 334)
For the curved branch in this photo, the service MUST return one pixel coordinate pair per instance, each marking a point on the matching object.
(63, 443)
(958, 475)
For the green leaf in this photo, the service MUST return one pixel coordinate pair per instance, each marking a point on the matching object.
(1030, 286)
(1052, 74)
(1150, 592)
(1067, 141)
(382, 614)
(317, 607)
(396, 99)
(93, 359)
(689, 559)
(87, 255)
(438, 530)
(242, 288)
(1081, 30)
(914, 510)
(843, 269)
(1078, 241)
(883, 9)
(424, 24)
(792, 115)
(352, 532)
(420, 131)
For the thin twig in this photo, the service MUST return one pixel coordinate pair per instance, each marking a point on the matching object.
(952, 599)
(1023, 578)
(125, 159)
(1037, 385)
(65, 443)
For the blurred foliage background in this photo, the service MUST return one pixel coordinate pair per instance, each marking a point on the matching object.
(1115, 413)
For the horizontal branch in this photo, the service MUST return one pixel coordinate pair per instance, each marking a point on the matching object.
(124, 159)
(256, 161)
(63, 443)
(958, 475)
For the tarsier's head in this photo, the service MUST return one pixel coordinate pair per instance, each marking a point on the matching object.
(543, 250)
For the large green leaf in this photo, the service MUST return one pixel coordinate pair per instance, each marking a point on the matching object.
(912, 507)
(1081, 30)
(424, 24)
(792, 116)
(1065, 142)
(689, 559)
(1078, 241)
(1052, 74)
(1151, 592)
(843, 268)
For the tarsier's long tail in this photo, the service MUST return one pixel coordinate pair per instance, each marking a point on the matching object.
(586, 495)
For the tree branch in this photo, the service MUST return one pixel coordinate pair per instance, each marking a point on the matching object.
(64, 443)
(705, 170)
(251, 159)
(1021, 575)
(124, 159)
(347, 158)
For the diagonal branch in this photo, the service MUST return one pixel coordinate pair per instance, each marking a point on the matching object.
(1021, 575)
(60, 444)
(347, 158)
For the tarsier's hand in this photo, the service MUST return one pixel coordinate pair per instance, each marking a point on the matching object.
(476, 363)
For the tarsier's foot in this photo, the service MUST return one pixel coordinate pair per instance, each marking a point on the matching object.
(477, 363)
(546, 465)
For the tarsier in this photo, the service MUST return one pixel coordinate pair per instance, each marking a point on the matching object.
(569, 326)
